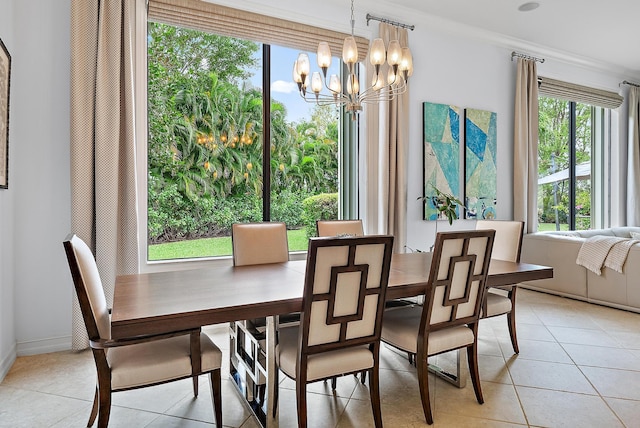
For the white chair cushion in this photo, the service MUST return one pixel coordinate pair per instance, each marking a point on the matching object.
(400, 328)
(158, 361)
(497, 304)
(320, 366)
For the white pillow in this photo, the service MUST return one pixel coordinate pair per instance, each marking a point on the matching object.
(635, 235)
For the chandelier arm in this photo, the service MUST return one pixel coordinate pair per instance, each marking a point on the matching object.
(324, 98)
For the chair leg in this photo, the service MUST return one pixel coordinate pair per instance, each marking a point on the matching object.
(195, 386)
(374, 392)
(334, 382)
(301, 400)
(363, 376)
(94, 409)
(104, 406)
(423, 383)
(472, 359)
(215, 382)
(276, 392)
(511, 320)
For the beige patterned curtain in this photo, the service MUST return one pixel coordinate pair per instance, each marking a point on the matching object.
(525, 145)
(386, 157)
(103, 171)
(633, 159)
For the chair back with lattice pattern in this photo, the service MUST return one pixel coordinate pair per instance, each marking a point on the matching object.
(457, 279)
(345, 287)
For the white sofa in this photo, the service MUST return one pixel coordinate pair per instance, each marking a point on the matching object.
(560, 250)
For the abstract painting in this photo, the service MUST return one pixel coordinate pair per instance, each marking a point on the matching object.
(441, 124)
(480, 187)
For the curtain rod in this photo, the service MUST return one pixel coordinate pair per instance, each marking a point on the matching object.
(521, 55)
(388, 21)
(624, 82)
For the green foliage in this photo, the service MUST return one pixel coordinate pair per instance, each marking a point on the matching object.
(446, 203)
(205, 143)
(553, 155)
(287, 206)
(319, 207)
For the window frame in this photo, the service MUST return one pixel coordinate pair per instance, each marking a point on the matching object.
(348, 158)
(601, 120)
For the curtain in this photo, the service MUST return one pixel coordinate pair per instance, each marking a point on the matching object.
(525, 145)
(103, 171)
(226, 21)
(633, 159)
(582, 94)
(386, 157)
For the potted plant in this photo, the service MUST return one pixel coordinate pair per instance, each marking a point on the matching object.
(446, 204)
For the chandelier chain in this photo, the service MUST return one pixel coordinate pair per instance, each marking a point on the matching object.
(353, 20)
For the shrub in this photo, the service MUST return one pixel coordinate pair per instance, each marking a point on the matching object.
(287, 206)
(319, 207)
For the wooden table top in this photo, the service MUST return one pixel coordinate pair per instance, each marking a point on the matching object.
(169, 301)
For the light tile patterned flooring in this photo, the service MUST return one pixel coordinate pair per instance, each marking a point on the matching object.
(579, 366)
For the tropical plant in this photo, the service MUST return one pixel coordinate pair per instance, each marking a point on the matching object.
(446, 203)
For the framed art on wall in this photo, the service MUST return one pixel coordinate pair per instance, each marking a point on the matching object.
(5, 80)
(441, 139)
(481, 178)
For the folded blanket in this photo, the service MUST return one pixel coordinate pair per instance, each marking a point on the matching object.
(594, 251)
(618, 254)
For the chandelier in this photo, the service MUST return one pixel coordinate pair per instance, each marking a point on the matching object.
(384, 86)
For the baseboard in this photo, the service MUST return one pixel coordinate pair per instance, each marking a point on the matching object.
(44, 346)
(6, 362)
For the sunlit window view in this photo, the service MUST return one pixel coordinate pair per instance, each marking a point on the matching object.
(566, 144)
(206, 162)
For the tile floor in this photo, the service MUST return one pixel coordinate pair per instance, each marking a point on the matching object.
(579, 366)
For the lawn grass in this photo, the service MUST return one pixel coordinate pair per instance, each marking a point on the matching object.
(212, 247)
(545, 227)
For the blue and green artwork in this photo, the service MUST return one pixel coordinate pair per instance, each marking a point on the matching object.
(481, 187)
(441, 123)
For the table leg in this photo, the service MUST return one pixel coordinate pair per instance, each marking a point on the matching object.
(458, 379)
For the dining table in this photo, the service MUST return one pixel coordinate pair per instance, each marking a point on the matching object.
(162, 302)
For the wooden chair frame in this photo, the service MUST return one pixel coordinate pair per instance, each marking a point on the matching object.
(425, 327)
(102, 398)
(373, 341)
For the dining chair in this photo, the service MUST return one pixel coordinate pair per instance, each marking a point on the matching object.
(343, 301)
(507, 246)
(448, 320)
(136, 362)
(339, 227)
(259, 243)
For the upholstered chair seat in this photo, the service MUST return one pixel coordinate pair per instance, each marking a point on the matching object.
(496, 304)
(159, 361)
(400, 329)
(320, 366)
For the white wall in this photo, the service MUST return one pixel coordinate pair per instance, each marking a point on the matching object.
(7, 326)
(452, 66)
(39, 180)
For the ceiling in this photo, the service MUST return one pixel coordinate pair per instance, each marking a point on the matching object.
(604, 32)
